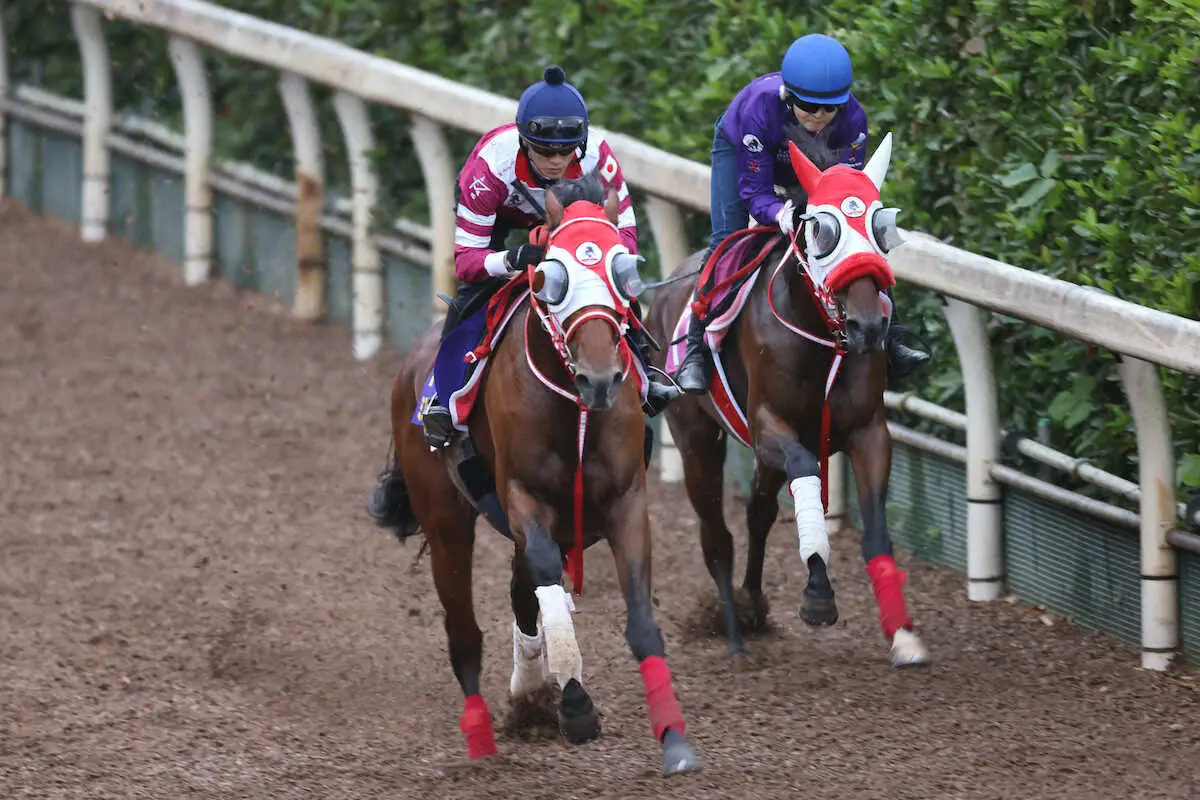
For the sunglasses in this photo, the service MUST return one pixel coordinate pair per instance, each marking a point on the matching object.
(567, 148)
(813, 108)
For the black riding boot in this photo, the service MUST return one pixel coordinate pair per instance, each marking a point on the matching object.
(695, 373)
(902, 359)
(662, 390)
(436, 421)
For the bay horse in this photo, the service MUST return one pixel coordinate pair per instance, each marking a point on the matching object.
(558, 425)
(801, 375)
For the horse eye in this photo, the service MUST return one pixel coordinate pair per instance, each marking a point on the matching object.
(826, 233)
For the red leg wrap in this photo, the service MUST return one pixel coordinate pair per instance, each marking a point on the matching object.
(476, 725)
(888, 580)
(665, 712)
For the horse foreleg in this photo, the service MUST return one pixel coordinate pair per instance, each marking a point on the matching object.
(577, 715)
(630, 542)
(777, 445)
(870, 452)
(702, 446)
(529, 668)
(761, 513)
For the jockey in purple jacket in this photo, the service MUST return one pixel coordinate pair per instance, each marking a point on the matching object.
(750, 158)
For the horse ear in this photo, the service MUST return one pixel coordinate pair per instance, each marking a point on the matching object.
(612, 206)
(805, 170)
(877, 166)
(554, 210)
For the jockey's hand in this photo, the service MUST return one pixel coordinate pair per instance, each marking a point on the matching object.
(520, 257)
(786, 218)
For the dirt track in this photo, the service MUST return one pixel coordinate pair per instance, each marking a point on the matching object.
(193, 604)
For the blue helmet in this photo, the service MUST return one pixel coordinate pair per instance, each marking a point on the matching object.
(816, 69)
(552, 114)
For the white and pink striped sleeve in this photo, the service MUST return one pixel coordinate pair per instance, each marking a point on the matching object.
(481, 195)
(610, 172)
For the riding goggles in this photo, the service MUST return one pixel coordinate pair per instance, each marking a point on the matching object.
(549, 135)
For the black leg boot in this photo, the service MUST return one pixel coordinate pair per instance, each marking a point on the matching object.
(902, 359)
(436, 421)
(662, 390)
(695, 373)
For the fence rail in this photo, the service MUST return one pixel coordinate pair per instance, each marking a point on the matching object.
(1144, 338)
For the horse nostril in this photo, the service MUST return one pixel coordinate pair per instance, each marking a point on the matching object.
(854, 329)
(617, 377)
(582, 382)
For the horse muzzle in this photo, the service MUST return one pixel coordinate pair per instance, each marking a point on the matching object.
(865, 335)
(598, 390)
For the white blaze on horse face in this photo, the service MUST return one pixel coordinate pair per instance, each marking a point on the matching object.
(810, 518)
(563, 659)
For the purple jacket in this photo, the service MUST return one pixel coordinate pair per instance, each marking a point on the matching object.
(754, 123)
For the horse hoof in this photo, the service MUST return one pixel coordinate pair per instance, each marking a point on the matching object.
(577, 716)
(908, 650)
(735, 650)
(817, 611)
(678, 756)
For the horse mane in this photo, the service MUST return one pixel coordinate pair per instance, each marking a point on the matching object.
(818, 151)
(588, 187)
(812, 145)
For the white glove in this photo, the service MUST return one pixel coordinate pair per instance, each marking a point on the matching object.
(786, 218)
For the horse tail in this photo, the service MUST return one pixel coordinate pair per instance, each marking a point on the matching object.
(389, 504)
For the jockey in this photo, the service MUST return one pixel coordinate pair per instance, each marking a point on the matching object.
(750, 156)
(502, 188)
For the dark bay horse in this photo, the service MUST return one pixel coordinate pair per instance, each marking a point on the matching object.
(777, 371)
(558, 424)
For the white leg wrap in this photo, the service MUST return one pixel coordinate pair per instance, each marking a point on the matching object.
(529, 671)
(563, 660)
(810, 518)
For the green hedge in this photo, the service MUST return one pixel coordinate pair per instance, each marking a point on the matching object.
(1058, 136)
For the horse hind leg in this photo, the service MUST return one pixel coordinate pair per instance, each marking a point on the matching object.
(451, 545)
(761, 513)
(702, 445)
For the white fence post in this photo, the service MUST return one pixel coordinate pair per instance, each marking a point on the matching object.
(188, 62)
(97, 97)
(666, 222)
(438, 171)
(1156, 475)
(310, 196)
(368, 270)
(985, 528)
(3, 114)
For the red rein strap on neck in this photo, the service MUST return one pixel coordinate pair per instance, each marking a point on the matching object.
(476, 725)
(575, 556)
(665, 713)
(888, 580)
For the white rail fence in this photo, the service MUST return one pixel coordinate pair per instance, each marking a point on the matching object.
(1144, 338)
